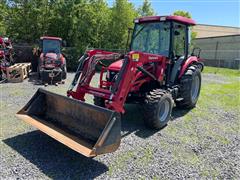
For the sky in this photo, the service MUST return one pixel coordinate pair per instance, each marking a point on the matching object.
(212, 12)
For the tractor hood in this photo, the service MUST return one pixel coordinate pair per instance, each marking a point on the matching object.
(116, 66)
(52, 56)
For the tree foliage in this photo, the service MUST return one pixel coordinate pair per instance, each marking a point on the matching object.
(81, 23)
(182, 13)
(146, 9)
(122, 15)
(3, 15)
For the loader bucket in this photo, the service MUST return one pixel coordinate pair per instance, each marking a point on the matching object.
(87, 129)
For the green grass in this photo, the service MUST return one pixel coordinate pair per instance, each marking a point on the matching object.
(221, 71)
(214, 96)
(226, 95)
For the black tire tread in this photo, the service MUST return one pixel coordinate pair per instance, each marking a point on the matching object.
(151, 106)
(185, 87)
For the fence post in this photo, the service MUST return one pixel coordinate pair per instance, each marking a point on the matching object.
(216, 51)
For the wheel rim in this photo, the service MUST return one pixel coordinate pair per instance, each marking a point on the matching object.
(164, 111)
(195, 88)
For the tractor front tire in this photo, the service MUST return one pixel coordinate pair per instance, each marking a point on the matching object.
(64, 72)
(98, 101)
(190, 85)
(157, 108)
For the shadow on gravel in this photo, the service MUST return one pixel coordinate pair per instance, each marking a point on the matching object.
(33, 78)
(132, 121)
(53, 158)
(177, 113)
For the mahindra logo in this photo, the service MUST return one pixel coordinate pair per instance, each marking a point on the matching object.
(152, 58)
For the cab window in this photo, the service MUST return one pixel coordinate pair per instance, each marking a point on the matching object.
(179, 39)
(152, 38)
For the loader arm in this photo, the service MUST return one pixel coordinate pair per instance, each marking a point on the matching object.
(127, 76)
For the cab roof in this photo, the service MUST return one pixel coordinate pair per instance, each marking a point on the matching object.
(180, 19)
(51, 38)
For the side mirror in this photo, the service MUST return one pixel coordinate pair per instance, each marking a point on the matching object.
(196, 52)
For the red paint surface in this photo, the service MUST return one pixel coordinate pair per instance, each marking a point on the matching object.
(181, 19)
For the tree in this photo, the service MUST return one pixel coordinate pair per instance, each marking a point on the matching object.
(182, 13)
(91, 21)
(28, 19)
(3, 15)
(122, 16)
(146, 9)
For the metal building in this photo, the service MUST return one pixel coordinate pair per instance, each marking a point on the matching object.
(220, 45)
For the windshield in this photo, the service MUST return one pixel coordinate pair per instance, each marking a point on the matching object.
(51, 46)
(152, 38)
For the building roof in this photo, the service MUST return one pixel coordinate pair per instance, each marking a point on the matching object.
(204, 31)
(180, 19)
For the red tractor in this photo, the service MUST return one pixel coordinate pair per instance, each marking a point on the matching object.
(52, 63)
(6, 57)
(156, 73)
(2, 63)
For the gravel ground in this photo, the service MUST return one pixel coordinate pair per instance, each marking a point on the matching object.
(200, 144)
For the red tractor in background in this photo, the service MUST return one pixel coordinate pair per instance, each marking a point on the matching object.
(6, 56)
(156, 73)
(2, 58)
(51, 64)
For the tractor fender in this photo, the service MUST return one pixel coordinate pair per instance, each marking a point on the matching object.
(187, 63)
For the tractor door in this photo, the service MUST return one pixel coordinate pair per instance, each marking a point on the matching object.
(180, 45)
(180, 40)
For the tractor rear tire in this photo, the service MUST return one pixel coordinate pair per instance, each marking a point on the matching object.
(157, 108)
(98, 101)
(190, 86)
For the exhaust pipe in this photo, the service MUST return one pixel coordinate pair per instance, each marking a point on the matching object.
(87, 129)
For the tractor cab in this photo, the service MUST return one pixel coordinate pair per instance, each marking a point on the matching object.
(51, 45)
(167, 36)
(51, 63)
(51, 52)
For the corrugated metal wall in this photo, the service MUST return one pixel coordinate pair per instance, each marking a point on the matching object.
(221, 51)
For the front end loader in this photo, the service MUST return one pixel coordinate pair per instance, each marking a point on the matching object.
(157, 73)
